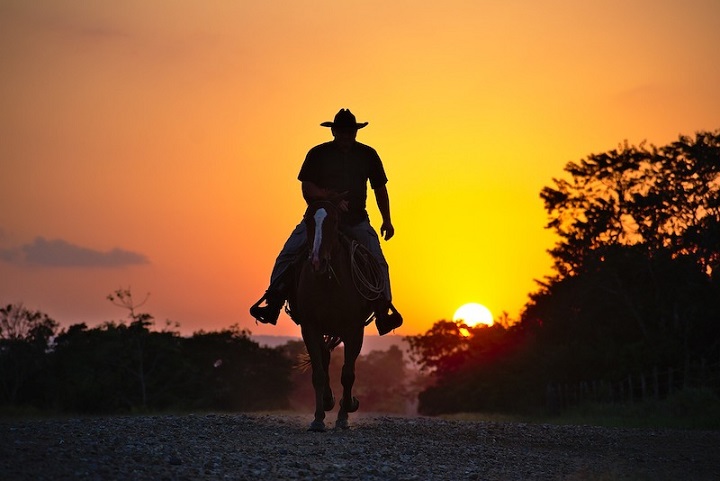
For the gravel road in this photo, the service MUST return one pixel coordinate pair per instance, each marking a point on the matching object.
(377, 447)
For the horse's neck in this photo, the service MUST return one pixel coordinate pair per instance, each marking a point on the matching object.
(339, 251)
(339, 261)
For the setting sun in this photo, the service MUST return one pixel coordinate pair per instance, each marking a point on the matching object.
(473, 314)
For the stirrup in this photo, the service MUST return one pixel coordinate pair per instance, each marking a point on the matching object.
(388, 321)
(267, 314)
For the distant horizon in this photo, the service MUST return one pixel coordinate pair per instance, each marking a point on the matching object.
(372, 342)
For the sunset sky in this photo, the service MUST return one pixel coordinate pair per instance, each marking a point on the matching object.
(156, 145)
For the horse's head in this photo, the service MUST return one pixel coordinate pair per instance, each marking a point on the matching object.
(322, 219)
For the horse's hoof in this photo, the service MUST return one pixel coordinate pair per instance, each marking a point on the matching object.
(342, 424)
(329, 403)
(317, 427)
(354, 405)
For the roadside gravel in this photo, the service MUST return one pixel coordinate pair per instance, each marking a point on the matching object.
(377, 447)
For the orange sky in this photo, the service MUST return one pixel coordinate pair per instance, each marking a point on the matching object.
(155, 145)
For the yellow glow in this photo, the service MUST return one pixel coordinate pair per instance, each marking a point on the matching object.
(473, 314)
(176, 129)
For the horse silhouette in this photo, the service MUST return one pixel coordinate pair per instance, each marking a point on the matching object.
(330, 309)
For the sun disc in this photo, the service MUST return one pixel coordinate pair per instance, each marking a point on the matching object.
(473, 314)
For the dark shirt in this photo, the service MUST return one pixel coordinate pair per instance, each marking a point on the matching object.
(330, 167)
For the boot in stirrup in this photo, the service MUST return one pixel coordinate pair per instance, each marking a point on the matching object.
(387, 318)
(270, 311)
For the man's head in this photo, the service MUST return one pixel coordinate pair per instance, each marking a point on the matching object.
(344, 127)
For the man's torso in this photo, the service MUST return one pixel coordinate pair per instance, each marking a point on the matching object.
(329, 167)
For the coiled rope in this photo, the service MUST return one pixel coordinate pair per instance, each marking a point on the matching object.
(367, 274)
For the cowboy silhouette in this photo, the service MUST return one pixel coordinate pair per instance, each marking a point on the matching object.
(338, 171)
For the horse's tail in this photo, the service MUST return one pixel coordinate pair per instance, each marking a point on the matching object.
(303, 360)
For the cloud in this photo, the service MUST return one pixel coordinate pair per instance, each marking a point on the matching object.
(59, 253)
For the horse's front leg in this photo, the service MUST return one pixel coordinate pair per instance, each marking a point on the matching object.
(348, 403)
(328, 397)
(314, 344)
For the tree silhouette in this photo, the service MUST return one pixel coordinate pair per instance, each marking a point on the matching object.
(25, 338)
(636, 284)
(660, 198)
(117, 368)
(638, 257)
(442, 349)
(232, 372)
(636, 268)
(475, 368)
(121, 367)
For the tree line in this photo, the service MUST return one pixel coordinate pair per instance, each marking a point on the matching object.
(132, 367)
(635, 286)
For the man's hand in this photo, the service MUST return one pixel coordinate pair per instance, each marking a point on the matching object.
(339, 199)
(312, 192)
(387, 230)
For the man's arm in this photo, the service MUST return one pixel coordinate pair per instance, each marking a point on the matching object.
(313, 192)
(383, 202)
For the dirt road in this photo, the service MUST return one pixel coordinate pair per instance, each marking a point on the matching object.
(278, 447)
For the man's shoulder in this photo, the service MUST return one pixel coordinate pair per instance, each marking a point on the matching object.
(321, 147)
(365, 148)
(329, 148)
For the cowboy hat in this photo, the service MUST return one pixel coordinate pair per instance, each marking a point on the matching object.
(344, 120)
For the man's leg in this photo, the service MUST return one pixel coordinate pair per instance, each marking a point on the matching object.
(267, 309)
(386, 316)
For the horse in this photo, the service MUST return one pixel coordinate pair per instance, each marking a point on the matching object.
(329, 309)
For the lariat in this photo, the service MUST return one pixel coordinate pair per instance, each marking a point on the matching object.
(366, 272)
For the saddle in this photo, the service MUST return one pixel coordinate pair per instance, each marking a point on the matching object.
(367, 277)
